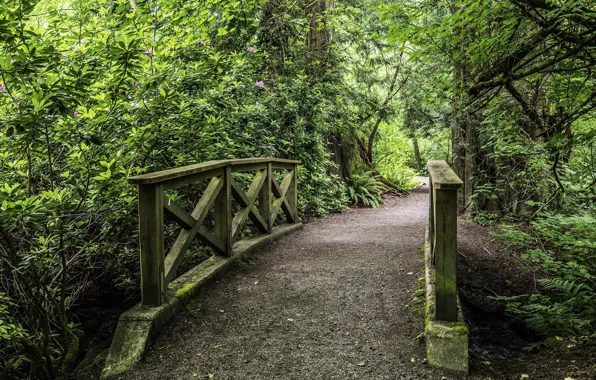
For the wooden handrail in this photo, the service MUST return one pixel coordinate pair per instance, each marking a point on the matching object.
(261, 203)
(444, 184)
(184, 171)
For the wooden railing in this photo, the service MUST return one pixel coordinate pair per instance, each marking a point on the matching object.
(261, 203)
(444, 184)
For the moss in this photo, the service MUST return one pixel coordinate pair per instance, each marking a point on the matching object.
(97, 360)
(186, 292)
(72, 354)
(460, 328)
(422, 249)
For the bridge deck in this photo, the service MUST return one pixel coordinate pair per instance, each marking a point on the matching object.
(333, 301)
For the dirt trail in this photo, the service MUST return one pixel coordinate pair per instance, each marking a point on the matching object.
(333, 301)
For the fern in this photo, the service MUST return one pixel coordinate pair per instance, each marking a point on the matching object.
(568, 312)
(563, 248)
(565, 288)
(364, 189)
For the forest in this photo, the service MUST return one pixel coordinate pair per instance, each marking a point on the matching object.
(363, 92)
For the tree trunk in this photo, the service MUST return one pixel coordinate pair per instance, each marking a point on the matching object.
(417, 156)
(317, 37)
(340, 152)
(465, 147)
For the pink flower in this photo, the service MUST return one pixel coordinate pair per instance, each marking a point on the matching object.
(250, 50)
(12, 61)
(200, 43)
(75, 113)
(135, 84)
(259, 84)
(149, 52)
(257, 103)
(1, 87)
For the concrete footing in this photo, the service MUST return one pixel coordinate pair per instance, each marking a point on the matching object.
(446, 342)
(138, 326)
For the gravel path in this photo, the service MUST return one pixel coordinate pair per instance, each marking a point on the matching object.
(333, 301)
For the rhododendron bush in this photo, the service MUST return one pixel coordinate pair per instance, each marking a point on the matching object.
(94, 92)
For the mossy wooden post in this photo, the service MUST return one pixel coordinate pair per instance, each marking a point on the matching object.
(223, 212)
(151, 243)
(444, 220)
(265, 198)
(431, 219)
(293, 194)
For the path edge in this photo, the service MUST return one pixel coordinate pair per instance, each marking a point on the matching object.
(138, 326)
(446, 342)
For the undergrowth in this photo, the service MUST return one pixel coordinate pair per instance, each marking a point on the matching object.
(563, 248)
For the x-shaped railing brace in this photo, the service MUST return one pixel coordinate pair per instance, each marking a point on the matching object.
(193, 225)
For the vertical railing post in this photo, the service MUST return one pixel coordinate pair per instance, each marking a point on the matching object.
(293, 194)
(445, 221)
(265, 197)
(223, 212)
(151, 244)
(431, 219)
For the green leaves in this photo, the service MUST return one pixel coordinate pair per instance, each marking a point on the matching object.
(40, 102)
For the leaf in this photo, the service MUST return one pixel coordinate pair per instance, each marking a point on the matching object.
(524, 376)
(361, 364)
(210, 375)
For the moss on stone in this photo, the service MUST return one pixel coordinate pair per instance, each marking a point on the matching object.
(460, 328)
(186, 292)
(97, 360)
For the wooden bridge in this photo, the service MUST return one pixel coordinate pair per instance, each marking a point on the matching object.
(347, 275)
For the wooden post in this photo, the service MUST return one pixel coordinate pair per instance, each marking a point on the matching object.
(431, 219)
(292, 195)
(445, 201)
(223, 212)
(265, 198)
(151, 244)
